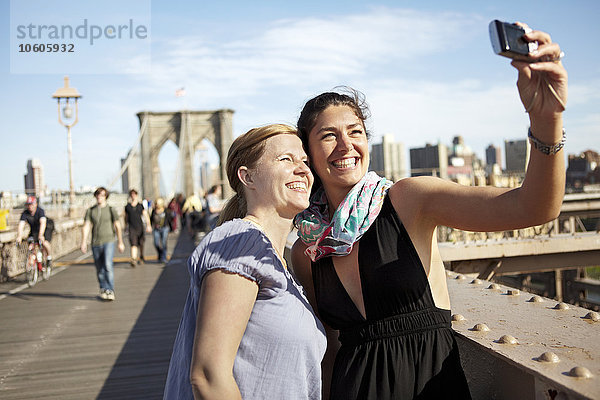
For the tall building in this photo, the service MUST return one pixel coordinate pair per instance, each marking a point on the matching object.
(387, 158)
(461, 151)
(583, 169)
(429, 160)
(493, 155)
(464, 166)
(517, 156)
(34, 179)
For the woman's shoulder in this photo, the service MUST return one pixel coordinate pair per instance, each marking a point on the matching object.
(235, 239)
(414, 183)
(409, 195)
(414, 188)
(232, 231)
(238, 247)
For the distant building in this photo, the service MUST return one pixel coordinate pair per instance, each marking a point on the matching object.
(460, 150)
(464, 166)
(493, 155)
(517, 156)
(34, 179)
(429, 160)
(583, 169)
(387, 158)
(462, 174)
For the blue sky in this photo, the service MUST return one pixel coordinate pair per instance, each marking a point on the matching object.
(426, 68)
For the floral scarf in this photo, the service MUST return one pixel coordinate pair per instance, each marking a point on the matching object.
(351, 220)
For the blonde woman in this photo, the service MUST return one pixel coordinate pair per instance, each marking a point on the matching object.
(160, 219)
(247, 329)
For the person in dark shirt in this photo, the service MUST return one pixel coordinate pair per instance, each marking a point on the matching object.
(134, 212)
(161, 219)
(38, 225)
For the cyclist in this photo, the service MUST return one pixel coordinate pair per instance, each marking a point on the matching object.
(40, 227)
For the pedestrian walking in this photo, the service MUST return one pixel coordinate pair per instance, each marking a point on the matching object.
(136, 218)
(176, 210)
(194, 213)
(214, 205)
(161, 219)
(103, 221)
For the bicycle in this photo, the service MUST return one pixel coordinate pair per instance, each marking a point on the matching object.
(36, 262)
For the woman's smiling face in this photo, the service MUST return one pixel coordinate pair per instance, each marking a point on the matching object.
(282, 177)
(339, 149)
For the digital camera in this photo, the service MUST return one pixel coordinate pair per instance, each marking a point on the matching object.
(507, 40)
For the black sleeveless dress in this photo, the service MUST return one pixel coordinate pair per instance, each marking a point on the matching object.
(405, 349)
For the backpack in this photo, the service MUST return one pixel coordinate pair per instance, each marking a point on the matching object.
(49, 224)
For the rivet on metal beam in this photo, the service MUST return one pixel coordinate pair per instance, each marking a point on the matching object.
(494, 286)
(593, 316)
(460, 277)
(480, 328)
(507, 339)
(536, 299)
(458, 318)
(561, 306)
(580, 372)
(548, 357)
(513, 292)
(476, 281)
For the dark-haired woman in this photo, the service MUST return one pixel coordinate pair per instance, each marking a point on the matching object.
(367, 252)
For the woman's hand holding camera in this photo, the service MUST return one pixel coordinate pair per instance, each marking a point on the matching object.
(542, 83)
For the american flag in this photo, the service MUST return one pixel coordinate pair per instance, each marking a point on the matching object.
(180, 92)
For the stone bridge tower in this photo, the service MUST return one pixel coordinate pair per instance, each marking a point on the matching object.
(186, 129)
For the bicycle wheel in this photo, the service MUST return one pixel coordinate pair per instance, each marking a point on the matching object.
(31, 270)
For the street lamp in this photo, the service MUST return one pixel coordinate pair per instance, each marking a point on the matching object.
(68, 93)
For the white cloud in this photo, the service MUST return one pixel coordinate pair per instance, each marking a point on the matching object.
(301, 52)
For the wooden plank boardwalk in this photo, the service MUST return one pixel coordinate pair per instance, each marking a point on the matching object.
(59, 341)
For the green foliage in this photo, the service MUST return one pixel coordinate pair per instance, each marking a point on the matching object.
(593, 272)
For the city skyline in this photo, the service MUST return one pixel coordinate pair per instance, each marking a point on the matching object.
(427, 70)
(404, 163)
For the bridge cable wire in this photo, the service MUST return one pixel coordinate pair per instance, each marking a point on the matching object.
(132, 152)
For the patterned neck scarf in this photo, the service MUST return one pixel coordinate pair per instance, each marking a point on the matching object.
(351, 220)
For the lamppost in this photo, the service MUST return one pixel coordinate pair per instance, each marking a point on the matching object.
(68, 93)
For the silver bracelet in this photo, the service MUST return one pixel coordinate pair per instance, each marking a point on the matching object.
(547, 149)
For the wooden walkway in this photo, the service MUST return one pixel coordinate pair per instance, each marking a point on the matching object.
(59, 341)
